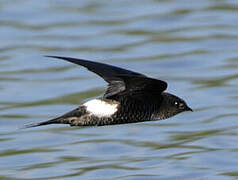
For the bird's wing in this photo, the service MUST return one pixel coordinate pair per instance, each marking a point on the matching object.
(120, 80)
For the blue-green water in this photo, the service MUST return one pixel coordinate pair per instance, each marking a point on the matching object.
(193, 45)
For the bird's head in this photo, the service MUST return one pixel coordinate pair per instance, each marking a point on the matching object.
(173, 105)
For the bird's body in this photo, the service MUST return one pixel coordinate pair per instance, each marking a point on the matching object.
(130, 97)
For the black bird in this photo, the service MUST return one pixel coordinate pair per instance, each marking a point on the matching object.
(129, 98)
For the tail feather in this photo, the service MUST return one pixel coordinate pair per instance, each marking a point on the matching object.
(52, 121)
(68, 118)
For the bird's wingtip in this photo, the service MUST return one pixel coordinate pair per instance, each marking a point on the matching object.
(50, 56)
(60, 57)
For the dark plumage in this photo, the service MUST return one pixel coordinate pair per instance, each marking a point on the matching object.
(130, 97)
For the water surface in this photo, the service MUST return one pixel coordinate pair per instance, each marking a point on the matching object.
(191, 45)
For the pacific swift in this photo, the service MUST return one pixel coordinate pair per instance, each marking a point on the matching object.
(129, 98)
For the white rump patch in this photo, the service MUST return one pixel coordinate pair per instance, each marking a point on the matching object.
(101, 108)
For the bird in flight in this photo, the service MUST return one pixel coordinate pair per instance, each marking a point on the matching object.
(130, 97)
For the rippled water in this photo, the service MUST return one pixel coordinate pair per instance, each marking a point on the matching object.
(193, 45)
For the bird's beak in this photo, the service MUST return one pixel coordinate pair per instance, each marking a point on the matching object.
(189, 109)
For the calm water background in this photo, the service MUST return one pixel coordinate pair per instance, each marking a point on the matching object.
(193, 45)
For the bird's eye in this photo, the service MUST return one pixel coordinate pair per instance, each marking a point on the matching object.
(179, 105)
(176, 103)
